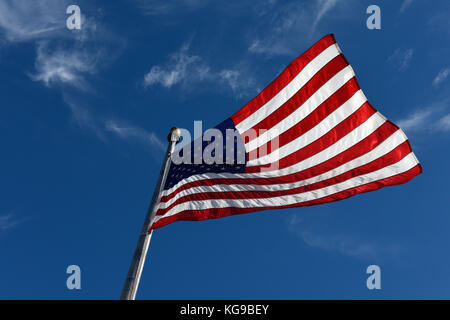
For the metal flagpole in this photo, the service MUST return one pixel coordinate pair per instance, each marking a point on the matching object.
(137, 264)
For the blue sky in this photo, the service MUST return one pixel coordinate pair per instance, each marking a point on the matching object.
(83, 120)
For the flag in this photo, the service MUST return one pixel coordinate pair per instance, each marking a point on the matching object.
(310, 137)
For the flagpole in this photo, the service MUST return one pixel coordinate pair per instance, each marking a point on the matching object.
(137, 263)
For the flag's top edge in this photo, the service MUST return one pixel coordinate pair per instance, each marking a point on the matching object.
(284, 78)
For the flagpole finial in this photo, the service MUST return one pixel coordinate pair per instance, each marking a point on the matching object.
(174, 135)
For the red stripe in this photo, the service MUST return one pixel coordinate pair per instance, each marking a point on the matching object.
(331, 137)
(314, 118)
(364, 146)
(300, 97)
(196, 215)
(283, 79)
(386, 160)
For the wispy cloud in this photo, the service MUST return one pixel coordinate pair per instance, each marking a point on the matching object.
(286, 27)
(22, 20)
(182, 67)
(84, 118)
(105, 128)
(8, 221)
(439, 23)
(416, 121)
(444, 123)
(72, 61)
(62, 56)
(157, 7)
(431, 118)
(405, 5)
(67, 58)
(182, 8)
(401, 59)
(187, 70)
(57, 65)
(345, 244)
(441, 76)
(130, 132)
(324, 7)
(231, 77)
(282, 24)
(281, 28)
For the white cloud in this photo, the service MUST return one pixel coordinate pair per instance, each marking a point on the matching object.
(416, 121)
(22, 20)
(57, 65)
(187, 70)
(266, 46)
(324, 7)
(84, 118)
(401, 59)
(8, 221)
(441, 77)
(444, 123)
(431, 119)
(181, 67)
(231, 77)
(282, 31)
(439, 23)
(405, 5)
(182, 8)
(158, 7)
(241, 83)
(69, 57)
(281, 28)
(105, 128)
(62, 56)
(69, 61)
(345, 244)
(129, 132)
(286, 28)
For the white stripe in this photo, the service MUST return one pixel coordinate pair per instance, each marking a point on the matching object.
(403, 165)
(355, 136)
(314, 101)
(291, 88)
(379, 151)
(325, 126)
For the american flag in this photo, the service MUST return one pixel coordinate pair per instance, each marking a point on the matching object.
(309, 137)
